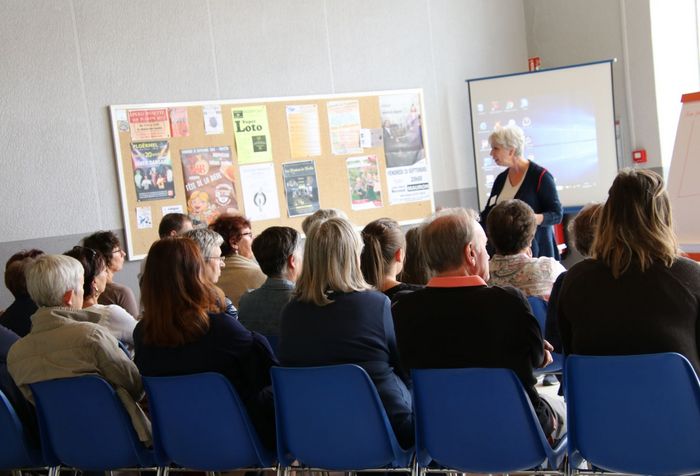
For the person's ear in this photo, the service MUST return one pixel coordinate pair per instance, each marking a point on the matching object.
(399, 255)
(291, 262)
(68, 298)
(470, 258)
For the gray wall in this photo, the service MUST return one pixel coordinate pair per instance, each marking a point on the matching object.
(64, 61)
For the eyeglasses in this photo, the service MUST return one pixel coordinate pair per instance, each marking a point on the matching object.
(220, 259)
(118, 251)
(247, 233)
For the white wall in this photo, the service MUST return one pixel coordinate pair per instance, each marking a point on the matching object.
(64, 61)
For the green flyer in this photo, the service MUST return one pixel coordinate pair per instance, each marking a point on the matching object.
(252, 133)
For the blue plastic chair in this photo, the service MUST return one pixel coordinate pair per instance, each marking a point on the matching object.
(331, 418)
(634, 413)
(16, 451)
(84, 424)
(478, 420)
(539, 309)
(200, 423)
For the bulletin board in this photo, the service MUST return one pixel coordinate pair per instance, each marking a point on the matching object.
(274, 160)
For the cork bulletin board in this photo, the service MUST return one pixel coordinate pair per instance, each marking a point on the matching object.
(273, 160)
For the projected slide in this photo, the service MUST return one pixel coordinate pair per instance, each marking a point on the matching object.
(568, 120)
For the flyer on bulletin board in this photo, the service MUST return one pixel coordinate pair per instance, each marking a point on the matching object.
(153, 170)
(260, 191)
(345, 126)
(301, 187)
(209, 183)
(304, 130)
(402, 131)
(179, 122)
(363, 179)
(252, 133)
(149, 124)
(213, 120)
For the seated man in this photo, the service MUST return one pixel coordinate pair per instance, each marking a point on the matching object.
(512, 228)
(17, 317)
(62, 343)
(278, 252)
(459, 322)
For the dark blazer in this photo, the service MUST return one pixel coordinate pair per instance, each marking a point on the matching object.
(17, 317)
(355, 329)
(260, 309)
(539, 191)
(228, 348)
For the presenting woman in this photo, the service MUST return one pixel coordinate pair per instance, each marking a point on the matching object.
(336, 318)
(526, 181)
(240, 272)
(185, 329)
(637, 295)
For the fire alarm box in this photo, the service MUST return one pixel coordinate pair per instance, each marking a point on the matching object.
(639, 156)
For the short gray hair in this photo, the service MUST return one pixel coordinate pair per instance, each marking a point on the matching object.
(51, 276)
(206, 239)
(444, 237)
(509, 137)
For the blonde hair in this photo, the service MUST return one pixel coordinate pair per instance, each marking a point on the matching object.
(634, 226)
(331, 262)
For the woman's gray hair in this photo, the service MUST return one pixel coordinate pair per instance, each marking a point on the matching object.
(51, 276)
(509, 137)
(206, 239)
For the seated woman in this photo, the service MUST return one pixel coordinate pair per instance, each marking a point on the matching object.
(637, 295)
(119, 322)
(241, 272)
(107, 244)
(17, 317)
(185, 330)
(209, 243)
(511, 229)
(335, 318)
(415, 266)
(382, 257)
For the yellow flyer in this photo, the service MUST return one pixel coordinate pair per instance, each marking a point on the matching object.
(252, 133)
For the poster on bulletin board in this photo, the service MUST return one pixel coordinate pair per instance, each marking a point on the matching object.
(274, 160)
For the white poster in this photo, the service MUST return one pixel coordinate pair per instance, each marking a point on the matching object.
(260, 191)
(213, 120)
(144, 218)
(409, 184)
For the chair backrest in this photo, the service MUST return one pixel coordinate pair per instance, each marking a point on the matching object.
(539, 309)
(200, 423)
(16, 451)
(332, 418)
(476, 420)
(84, 423)
(634, 413)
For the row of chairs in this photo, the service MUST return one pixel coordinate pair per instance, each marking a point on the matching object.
(626, 414)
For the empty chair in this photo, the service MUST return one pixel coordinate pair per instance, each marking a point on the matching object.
(539, 309)
(200, 423)
(634, 413)
(16, 451)
(331, 418)
(478, 420)
(84, 424)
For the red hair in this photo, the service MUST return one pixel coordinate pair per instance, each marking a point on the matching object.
(175, 294)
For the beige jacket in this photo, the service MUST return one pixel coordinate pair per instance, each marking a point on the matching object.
(239, 275)
(67, 343)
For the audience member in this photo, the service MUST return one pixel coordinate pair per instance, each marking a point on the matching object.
(382, 257)
(107, 244)
(63, 343)
(415, 267)
(637, 295)
(119, 322)
(209, 243)
(185, 329)
(241, 272)
(17, 317)
(336, 318)
(24, 410)
(457, 321)
(278, 251)
(321, 215)
(173, 224)
(581, 231)
(511, 229)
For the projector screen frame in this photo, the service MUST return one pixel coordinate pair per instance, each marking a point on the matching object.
(610, 133)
